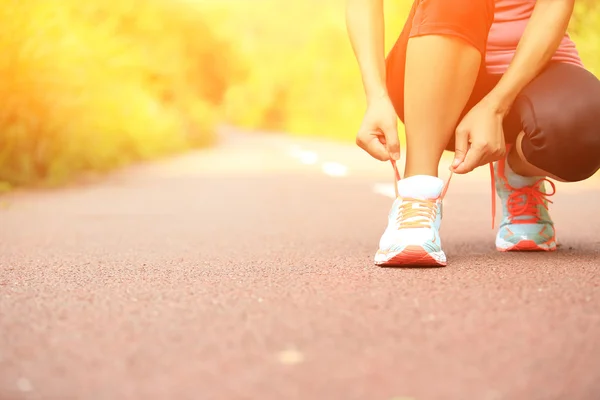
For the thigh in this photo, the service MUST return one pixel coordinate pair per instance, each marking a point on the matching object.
(558, 113)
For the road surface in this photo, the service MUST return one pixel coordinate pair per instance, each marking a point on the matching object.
(245, 272)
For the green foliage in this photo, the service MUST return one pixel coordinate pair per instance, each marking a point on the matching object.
(93, 85)
(584, 30)
(98, 84)
(304, 78)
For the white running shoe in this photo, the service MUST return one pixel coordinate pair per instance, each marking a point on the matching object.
(412, 235)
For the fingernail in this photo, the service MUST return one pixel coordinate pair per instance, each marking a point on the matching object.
(396, 156)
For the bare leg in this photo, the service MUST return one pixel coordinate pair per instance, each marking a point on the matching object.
(440, 76)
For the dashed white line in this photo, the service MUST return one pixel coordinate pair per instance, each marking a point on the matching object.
(334, 169)
(305, 157)
(309, 158)
(385, 189)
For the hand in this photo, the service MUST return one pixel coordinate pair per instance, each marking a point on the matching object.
(378, 134)
(479, 139)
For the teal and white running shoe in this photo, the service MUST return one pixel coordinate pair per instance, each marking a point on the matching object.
(526, 224)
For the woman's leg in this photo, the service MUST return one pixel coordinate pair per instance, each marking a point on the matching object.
(558, 113)
(559, 138)
(519, 164)
(440, 75)
(432, 71)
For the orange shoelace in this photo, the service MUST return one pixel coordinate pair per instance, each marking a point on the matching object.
(420, 212)
(525, 202)
(397, 178)
(521, 202)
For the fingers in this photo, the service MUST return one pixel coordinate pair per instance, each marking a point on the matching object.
(378, 134)
(461, 147)
(392, 142)
(378, 150)
(477, 155)
(472, 159)
(372, 145)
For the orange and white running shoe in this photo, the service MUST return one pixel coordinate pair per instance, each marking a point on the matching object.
(526, 224)
(412, 235)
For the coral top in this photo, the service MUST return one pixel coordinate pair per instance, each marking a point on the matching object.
(510, 20)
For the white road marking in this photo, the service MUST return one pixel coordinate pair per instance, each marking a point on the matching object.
(290, 357)
(309, 158)
(385, 189)
(330, 168)
(305, 157)
(334, 169)
(294, 149)
(24, 385)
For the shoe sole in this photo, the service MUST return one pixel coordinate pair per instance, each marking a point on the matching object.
(412, 256)
(529, 245)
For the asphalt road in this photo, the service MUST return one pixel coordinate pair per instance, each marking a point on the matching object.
(246, 272)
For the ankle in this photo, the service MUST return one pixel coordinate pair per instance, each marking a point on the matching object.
(516, 162)
(420, 170)
(516, 179)
(515, 165)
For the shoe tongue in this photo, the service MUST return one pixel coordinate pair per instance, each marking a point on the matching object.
(422, 187)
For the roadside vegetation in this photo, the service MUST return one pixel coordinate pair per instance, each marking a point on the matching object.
(94, 85)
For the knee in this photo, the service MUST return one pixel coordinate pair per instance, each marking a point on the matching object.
(558, 112)
(568, 146)
(576, 172)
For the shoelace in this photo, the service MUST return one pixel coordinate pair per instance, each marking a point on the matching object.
(525, 202)
(493, 195)
(421, 213)
(416, 213)
(397, 178)
(521, 202)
